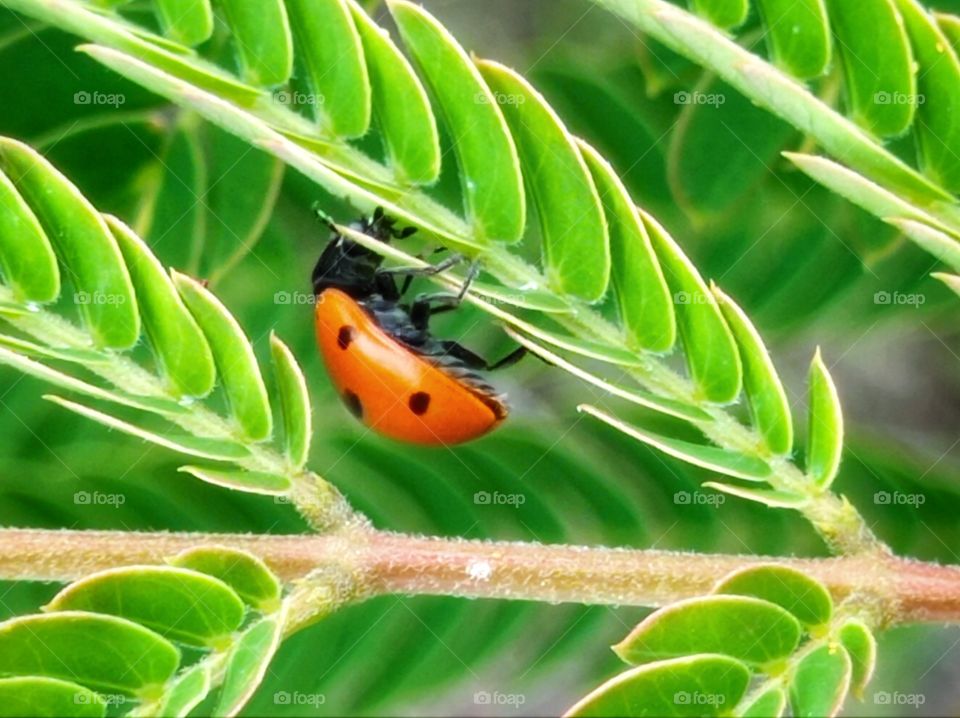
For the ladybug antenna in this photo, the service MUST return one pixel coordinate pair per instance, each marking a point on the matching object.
(324, 217)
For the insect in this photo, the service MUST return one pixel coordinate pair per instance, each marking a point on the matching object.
(389, 370)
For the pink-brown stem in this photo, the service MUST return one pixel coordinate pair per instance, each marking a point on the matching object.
(902, 590)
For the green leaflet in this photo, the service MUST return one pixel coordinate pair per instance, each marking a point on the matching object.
(84, 244)
(181, 605)
(711, 352)
(950, 26)
(26, 257)
(745, 628)
(214, 449)
(247, 664)
(186, 692)
(820, 683)
(576, 251)
(103, 653)
(47, 698)
(798, 35)
(646, 308)
(938, 82)
(704, 685)
(861, 646)
(768, 497)
(722, 13)
(942, 246)
(261, 36)
(489, 165)
(243, 572)
(294, 402)
(881, 83)
(177, 342)
(769, 704)
(761, 383)
(786, 587)
(186, 21)
(825, 429)
(401, 105)
(951, 280)
(253, 482)
(712, 458)
(239, 371)
(330, 49)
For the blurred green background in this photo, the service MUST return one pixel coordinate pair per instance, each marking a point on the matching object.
(809, 268)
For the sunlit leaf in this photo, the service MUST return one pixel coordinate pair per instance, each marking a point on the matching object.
(820, 683)
(861, 646)
(247, 664)
(254, 482)
(244, 573)
(26, 257)
(47, 697)
(786, 587)
(294, 402)
(825, 430)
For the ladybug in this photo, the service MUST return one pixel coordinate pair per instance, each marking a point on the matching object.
(389, 370)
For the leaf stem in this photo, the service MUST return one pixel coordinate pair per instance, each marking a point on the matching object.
(894, 590)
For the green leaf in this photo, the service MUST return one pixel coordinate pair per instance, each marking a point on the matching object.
(881, 83)
(204, 448)
(748, 629)
(68, 354)
(402, 107)
(798, 35)
(825, 430)
(489, 166)
(786, 587)
(942, 246)
(769, 704)
(950, 26)
(537, 300)
(722, 13)
(703, 685)
(951, 280)
(247, 664)
(103, 653)
(179, 345)
(294, 402)
(635, 395)
(239, 371)
(330, 49)
(181, 605)
(243, 572)
(26, 257)
(261, 35)
(186, 21)
(712, 458)
(84, 244)
(938, 81)
(762, 385)
(43, 697)
(768, 497)
(252, 482)
(646, 308)
(572, 223)
(861, 646)
(186, 692)
(820, 683)
(711, 351)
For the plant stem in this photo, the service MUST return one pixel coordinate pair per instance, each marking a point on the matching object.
(896, 590)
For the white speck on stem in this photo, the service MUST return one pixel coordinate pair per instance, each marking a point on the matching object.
(479, 570)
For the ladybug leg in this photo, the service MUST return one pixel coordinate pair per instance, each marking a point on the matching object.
(474, 361)
(428, 305)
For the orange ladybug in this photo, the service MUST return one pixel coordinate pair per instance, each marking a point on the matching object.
(390, 372)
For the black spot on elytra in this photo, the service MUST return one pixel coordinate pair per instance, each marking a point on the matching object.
(345, 336)
(419, 402)
(352, 402)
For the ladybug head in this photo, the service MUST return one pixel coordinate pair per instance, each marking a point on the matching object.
(349, 266)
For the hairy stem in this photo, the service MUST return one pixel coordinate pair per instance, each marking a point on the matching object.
(895, 590)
